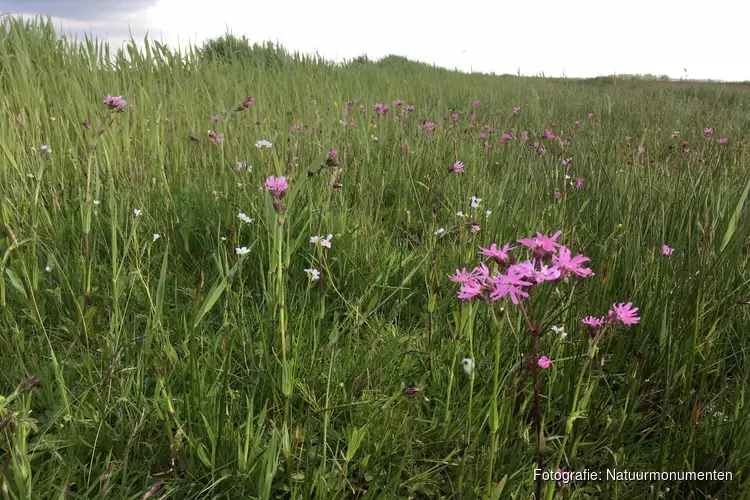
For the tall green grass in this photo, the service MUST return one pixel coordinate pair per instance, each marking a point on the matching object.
(161, 361)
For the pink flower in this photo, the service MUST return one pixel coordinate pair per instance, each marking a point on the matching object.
(410, 391)
(723, 140)
(381, 109)
(708, 131)
(558, 195)
(215, 138)
(455, 116)
(429, 126)
(541, 150)
(473, 116)
(666, 250)
(461, 276)
(624, 313)
(214, 119)
(409, 108)
(332, 154)
(592, 116)
(115, 102)
(571, 265)
(500, 255)
(397, 102)
(505, 138)
(470, 289)
(567, 162)
(541, 245)
(433, 94)
(509, 284)
(592, 321)
(544, 362)
(475, 228)
(458, 167)
(547, 273)
(641, 149)
(277, 186)
(563, 144)
(548, 134)
(475, 104)
(248, 102)
(579, 182)
(516, 111)
(482, 134)
(524, 135)
(628, 138)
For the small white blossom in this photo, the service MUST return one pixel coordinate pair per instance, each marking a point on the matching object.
(475, 201)
(97, 202)
(137, 212)
(488, 213)
(48, 269)
(245, 218)
(342, 122)
(45, 149)
(468, 365)
(374, 138)
(223, 238)
(30, 175)
(153, 180)
(319, 240)
(242, 251)
(440, 231)
(460, 214)
(561, 331)
(263, 144)
(156, 236)
(313, 274)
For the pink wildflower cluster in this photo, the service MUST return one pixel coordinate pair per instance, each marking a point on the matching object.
(278, 188)
(550, 261)
(619, 313)
(381, 109)
(429, 126)
(115, 102)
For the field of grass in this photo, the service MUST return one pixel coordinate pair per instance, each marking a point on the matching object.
(177, 366)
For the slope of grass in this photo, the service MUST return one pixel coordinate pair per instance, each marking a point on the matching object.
(175, 364)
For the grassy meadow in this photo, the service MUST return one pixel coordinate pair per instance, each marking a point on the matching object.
(209, 362)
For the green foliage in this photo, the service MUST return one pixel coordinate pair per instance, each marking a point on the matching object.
(161, 360)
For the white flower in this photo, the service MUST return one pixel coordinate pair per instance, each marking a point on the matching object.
(468, 365)
(48, 269)
(242, 251)
(52, 118)
(156, 236)
(440, 231)
(30, 175)
(263, 144)
(374, 138)
(560, 330)
(319, 240)
(245, 218)
(475, 201)
(223, 238)
(460, 214)
(153, 180)
(45, 149)
(342, 122)
(137, 212)
(97, 202)
(242, 165)
(488, 213)
(313, 274)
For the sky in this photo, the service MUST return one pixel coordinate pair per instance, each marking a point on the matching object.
(574, 38)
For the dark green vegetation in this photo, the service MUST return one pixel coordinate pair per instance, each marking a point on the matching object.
(162, 360)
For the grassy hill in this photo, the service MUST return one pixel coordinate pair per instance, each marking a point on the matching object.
(155, 342)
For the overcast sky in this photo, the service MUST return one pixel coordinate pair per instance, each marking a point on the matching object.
(577, 38)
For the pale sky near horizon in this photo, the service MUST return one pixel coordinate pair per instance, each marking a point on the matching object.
(575, 38)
